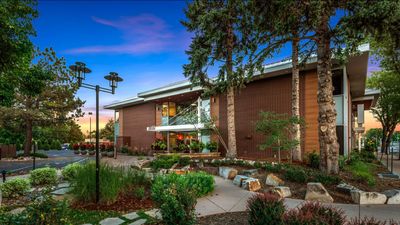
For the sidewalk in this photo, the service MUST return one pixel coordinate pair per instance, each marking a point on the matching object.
(230, 198)
(396, 162)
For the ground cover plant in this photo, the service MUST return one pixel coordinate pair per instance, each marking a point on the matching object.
(167, 161)
(43, 176)
(15, 187)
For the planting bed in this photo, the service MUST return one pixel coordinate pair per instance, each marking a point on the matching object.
(232, 218)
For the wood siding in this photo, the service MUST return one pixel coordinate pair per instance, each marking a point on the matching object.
(311, 140)
(136, 119)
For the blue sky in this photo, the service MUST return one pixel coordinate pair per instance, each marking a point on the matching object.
(141, 40)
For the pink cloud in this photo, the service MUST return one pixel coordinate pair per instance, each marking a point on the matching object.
(144, 33)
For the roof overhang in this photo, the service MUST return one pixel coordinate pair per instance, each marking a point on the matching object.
(356, 69)
(125, 103)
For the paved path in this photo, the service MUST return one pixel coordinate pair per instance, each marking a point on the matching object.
(396, 162)
(230, 198)
(57, 159)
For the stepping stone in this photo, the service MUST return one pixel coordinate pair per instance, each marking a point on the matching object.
(317, 192)
(112, 221)
(61, 191)
(131, 216)
(63, 185)
(283, 192)
(155, 213)
(362, 197)
(227, 172)
(139, 222)
(273, 180)
(238, 181)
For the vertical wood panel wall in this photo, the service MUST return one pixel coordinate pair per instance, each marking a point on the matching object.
(311, 141)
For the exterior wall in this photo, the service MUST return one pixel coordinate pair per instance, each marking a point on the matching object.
(136, 119)
(311, 139)
(272, 94)
(121, 122)
(158, 112)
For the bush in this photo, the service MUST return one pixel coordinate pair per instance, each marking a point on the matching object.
(39, 155)
(184, 161)
(175, 200)
(47, 210)
(342, 162)
(265, 209)
(69, 172)
(361, 171)
(212, 146)
(274, 168)
(15, 187)
(326, 179)
(295, 174)
(313, 160)
(164, 162)
(124, 149)
(368, 221)
(43, 176)
(314, 213)
(139, 192)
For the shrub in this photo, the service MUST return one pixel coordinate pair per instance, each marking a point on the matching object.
(201, 182)
(184, 161)
(325, 179)
(124, 149)
(368, 221)
(265, 209)
(314, 213)
(43, 176)
(69, 172)
(342, 162)
(15, 187)
(175, 200)
(164, 162)
(313, 160)
(212, 146)
(139, 192)
(47, 210)
(361, 171)
(274, 168)
(295, 174)
(39, 155)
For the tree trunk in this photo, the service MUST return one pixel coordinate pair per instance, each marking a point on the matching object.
(28, 137)
(329, 147)
(231, 123)
(296, 151)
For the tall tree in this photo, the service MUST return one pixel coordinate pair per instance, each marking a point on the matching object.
(108, 130)
(45, 95)
(220, 30)
(15, 47)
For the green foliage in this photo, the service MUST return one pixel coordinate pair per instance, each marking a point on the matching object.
(39, 155)
(325, 179)
(274, 168)
(124, 149)
(296, 174)
(313, 160)
(184, 161)
(43, 176)
(314, 213)
(212, 146)
(276, 128)
(139, 192)
(15, 187)
(362, 172)
(84, 216)
(265, 208)
(164, 161)
(175, 198)
(342, 162)
(69, 172)
(108, 130)
(47, 210)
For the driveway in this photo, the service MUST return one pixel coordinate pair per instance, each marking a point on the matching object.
(57, 159)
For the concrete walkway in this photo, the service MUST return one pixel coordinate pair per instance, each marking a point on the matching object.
(230, 198)
(396, 162)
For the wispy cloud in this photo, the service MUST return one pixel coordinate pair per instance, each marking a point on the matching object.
(144, 33)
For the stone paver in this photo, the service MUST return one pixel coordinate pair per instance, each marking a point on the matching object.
(155, 213)
(230, 198)
(131, 216)
(138, 222)
(61, 191)
(111, 221)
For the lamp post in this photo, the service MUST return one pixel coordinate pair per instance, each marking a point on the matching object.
(90, 127)
(80, 70)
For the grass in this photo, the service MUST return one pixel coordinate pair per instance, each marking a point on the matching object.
(362, 171)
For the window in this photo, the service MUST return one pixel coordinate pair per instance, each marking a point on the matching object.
(337, 81)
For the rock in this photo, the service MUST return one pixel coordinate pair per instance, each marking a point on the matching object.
(362, 197)
(393, 196)
(139, 222)
(273, 180)
(210, 170)
(174, 166)
(346, 188)
(238, 181)
(186, 167)
(17, 211)
(111, 221)
(250, 172)
(178, 171)
(131, 216)
(61, 191)
(282, 191)
(163, 171)
(227, 172)
(251, 184)
(63, 185)
(155, 213)
(317, 192)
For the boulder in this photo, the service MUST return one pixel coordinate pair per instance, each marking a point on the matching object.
(227, 172)
(273, 180)
(362, 197)
(251, 184)
(250, 172)
(346, 188)
(282, 191)
(393, 196)
(317, 192)
(238, 181)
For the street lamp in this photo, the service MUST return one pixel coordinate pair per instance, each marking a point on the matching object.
(90, 127)
(80, 71)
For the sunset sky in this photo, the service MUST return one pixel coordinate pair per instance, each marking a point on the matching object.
(141, 40)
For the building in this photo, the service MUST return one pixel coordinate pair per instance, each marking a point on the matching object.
(162, 113)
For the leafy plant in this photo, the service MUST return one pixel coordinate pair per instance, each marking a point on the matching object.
(69, 172)
(362, 172)
(313, 160)
(43, 176)
(47, 210)
(212, 146)
(325, 179)
(274, 168)
(200, 182)
(296, 175)
(15, 187)
(139, 192)
(367, 221)
(314, 213)
(184, 161)
(265, 208)
(124, 149)
(164, 162)
(39, 155)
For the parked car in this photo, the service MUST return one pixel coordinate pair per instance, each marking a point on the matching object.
(65, 146)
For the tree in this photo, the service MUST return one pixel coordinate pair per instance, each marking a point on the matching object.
(45, 95)
(108, 130)
(372, 137)
(15, 47)
(277, 130)
(220, 32)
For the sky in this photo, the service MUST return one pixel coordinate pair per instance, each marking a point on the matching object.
(143, 41)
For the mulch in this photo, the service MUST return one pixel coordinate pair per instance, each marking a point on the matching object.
(232, 218)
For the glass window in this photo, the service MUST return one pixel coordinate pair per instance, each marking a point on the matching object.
(165, 109)
(337, 81)
(116, 116)
(172, 109)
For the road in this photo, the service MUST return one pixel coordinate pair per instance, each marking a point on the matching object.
(57, 159)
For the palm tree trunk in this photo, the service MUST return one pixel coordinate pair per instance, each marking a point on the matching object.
(329, 147)
(296, 151)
